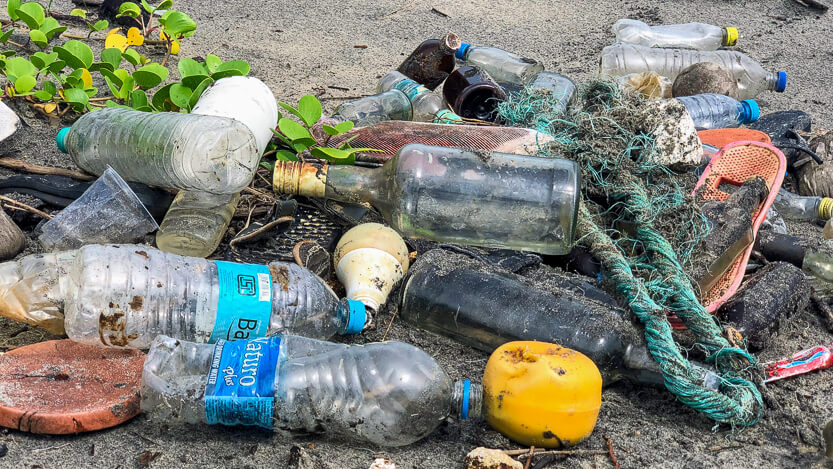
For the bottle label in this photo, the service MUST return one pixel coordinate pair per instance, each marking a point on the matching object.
(411, 88)
(446, 116)
(245, 301)
(240, 389)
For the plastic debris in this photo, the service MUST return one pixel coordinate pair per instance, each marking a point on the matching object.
(12, 240)
(681, 36)
(705, 77)
(9, 122)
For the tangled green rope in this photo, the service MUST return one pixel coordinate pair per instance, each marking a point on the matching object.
(616, 163)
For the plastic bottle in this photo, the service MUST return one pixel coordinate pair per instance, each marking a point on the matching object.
(557, 85)
(624, 59)
(456, 196)
(427, 106)
(717, 111)
(503, 66)
(681, 36)
(390, 105)
(796, 207)
(168, 149)
(196, 221)
(388, 393)
(126, 295)
(472, 93)
(432, 61)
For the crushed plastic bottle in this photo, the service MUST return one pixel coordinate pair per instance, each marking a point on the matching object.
(388, 393)
(501, 65)
(390, 105)
(432, 61)
(809, 208)
(624, 59)
(126, 295)
(717, 111)
(168, 149)
(456, 196)
(427, 105)
(680, 36)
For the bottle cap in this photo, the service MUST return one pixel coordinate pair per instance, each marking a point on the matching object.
(782, 82)
(731, 36)
(461, 52)
(61, 139)
(825, 208)
(751, 111)
(464, 412)
(355, 313)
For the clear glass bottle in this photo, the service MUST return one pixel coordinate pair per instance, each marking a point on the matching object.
(195, 223)
(432, 61)
(387, 393)
(624, 59)
(717, 111)
(126, 295)
(796, 207)
(458, 196)
(558, 86)
(503, 66)
(168, 149)
(680, 36)
(390, 105)
(427, 106)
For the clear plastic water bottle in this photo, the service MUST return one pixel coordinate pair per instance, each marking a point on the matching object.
(427, 105)
(501, 65)
(195, 223)
(624, 59)
(390, 105)
(809, 208)
(717, 111)
(388, 393)
(681, 36)
(126, 295)
(168, 149)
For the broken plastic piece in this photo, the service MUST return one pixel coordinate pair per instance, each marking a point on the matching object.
(805, 361)
(9, 122)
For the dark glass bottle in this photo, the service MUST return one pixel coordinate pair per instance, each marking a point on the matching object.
(432, 61)
(472, 93)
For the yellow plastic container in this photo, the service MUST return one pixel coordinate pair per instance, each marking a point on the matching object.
(541, 394)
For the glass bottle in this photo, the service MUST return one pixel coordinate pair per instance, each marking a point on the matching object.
(503, 66)
(432, 61)
(427, 106)
(195, 223)
(392, 105)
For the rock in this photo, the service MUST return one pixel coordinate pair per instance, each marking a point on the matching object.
(382, 463)
(12, 240)
(299, 459)
(9, 122)
(705, 77)
(485, 458)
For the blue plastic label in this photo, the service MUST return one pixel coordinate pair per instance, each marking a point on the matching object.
(245, 301)
(411, 88)
(240, 389)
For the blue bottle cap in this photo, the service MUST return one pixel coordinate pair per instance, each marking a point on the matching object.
(61, 139)
(355, 313)
(464, 412)
(461, 52)
(751, 112)
(782, 82)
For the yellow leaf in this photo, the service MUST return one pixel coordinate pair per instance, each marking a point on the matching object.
(116, 41)
(113, 31)
(86, 78)
(134, 37)
(49, 108)
(175, 48)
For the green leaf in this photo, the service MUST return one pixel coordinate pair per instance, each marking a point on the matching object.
(126, 88)
(212, 62)
(291, 110)
(11, 9)
(302, 144)
(100, 25)
(49, 87)
(193, 81)
(345, 126)
(18, 67)
(147, 7)
(37, 36)
(32, 14)
(114, 76)
(139, 100)
(293, 130)
(329, 153)
(310, 109)
(181, 95)
(76, 54)
(160, 98)
(330, 130)
(99, 66)
(25, 83)
(132, 56)
(280, 136)
(114, 88)
(112, 56)
(44, 95)
(42, 59)
(77, 97)
(50, 27)
(267, 165)
(177, 23)
(129, 9)
(198, 91)
(230, 69)
(285, 155)
(150, 75)
(165, 5)
(79, 13)
(188, 67)
(6, 35)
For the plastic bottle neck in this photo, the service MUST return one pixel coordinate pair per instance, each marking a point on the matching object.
(466, 400)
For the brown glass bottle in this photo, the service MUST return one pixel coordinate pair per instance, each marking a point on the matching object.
(432, 61)
(472, 93)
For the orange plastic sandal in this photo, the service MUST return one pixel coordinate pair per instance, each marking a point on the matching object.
(61, 387)
(721, 137)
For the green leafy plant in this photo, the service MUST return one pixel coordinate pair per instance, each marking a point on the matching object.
(294, 138)
(42, 28)
(99, 25)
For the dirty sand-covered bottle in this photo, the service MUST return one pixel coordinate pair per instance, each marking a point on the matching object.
(125, 295)
(625, 59)
(557, 86)
(808, 208)
(454, 195)
(392, 105)
(426, 105)
(698, 36)
(386, 393)
(501, 65)
(432, 61)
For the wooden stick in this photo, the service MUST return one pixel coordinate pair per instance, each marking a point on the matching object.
(610, 451)
(23, 206)
(20, 165)
(529, 458)
(388, 328)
